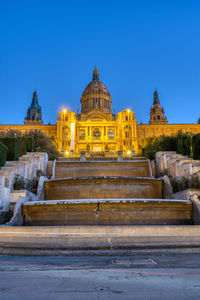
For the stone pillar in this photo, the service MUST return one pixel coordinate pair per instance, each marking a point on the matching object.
(164, 161)
(83, 157)
(2, 184)
(26, 170)
(86, 133)
(190, 169)
(54, 168)
(119, 157)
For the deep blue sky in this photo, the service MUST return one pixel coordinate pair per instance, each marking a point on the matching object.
(137, 45)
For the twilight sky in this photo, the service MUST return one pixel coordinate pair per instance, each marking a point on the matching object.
(53, 46)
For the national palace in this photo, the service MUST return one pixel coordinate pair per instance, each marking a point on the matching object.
(96, 129)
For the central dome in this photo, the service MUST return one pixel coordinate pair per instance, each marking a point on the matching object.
(96, 86)
(96, 95)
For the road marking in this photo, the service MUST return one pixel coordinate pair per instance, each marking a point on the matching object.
(133, 262)
(95, 269)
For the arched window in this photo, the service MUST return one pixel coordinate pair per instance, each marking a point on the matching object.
(82, 134)
(96, 133)
(111, 134)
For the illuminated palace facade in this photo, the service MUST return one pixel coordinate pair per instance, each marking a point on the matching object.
(97, 130)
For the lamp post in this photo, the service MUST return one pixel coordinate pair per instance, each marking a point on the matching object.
(64, 112)
(129, 136)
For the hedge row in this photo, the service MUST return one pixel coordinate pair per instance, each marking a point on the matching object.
(13, 146)
(184, 143)
(17, 146)
(26, 145)
(196, 146)
(3, 152)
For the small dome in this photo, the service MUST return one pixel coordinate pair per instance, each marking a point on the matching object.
(96, 87)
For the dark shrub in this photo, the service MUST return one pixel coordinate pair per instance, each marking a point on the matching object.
(13, 146)
(196, 146)
(3, 152)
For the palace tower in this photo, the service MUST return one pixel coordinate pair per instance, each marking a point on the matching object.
(157, 114)
(34, 113)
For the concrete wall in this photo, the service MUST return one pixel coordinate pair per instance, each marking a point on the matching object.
(108, 212)
(103, 188)
(79, 169)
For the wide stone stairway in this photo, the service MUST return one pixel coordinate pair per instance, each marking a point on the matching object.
(102, 207)
(105, 193)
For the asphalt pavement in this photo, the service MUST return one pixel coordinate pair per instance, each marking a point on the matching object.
(172, 276)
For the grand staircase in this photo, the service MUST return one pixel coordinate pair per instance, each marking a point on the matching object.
(107, 207)
(105, 193)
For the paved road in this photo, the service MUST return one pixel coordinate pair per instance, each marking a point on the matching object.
(100, 277)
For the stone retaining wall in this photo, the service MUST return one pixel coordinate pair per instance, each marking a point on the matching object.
(104, 188)
(79, 169)
(108, 212)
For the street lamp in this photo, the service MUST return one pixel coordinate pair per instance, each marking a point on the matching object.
(64, 112)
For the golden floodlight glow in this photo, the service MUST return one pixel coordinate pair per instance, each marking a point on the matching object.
(128, 152)
(64, 110)
(67, 153)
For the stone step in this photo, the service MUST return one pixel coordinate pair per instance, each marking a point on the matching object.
(107, 240)
(108, 212)
(138, 168)
(109, 187)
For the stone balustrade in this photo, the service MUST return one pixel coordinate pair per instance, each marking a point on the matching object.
(26, 167)
(176, 165)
